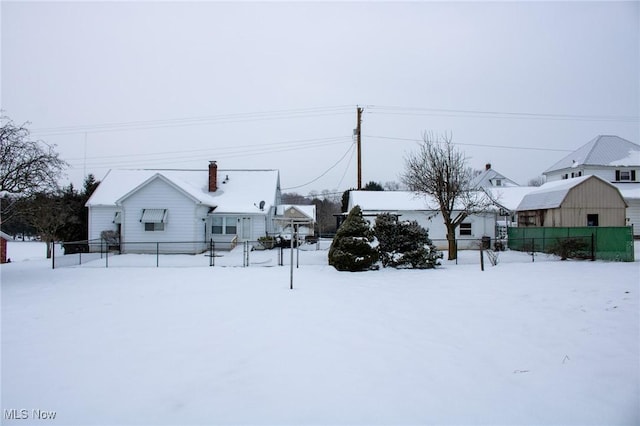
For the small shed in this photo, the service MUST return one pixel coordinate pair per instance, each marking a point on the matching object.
(3, 246)
(582, 201)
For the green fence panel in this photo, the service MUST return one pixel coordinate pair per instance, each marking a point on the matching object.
(611, 243)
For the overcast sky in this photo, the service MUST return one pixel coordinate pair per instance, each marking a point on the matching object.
(275, 85)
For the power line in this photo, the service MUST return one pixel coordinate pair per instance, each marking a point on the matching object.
(195, 121)
(420, 111)
(477, 144)
(217, 150)
(240, 153)
(323, 173)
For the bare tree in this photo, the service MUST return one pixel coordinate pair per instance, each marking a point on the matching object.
(26, 166)
(537, 181)
(438, 171)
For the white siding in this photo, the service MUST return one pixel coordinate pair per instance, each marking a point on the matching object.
(101, 219)
(184, 218)
(482, 226)
(633, 215)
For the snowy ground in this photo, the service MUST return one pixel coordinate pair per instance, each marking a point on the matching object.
(548, 342)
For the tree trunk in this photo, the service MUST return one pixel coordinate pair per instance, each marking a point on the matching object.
(451, 239)
(49, 248)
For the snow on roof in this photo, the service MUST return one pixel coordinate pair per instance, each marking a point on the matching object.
(484, 179)
(552, 194)
(629, 191)
(307, 210)
(509, 197)
(5, 236)
(603, 150)
(239, 191)
(389, 201)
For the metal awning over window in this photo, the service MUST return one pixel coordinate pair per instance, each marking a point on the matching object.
(154, 216)
(117, 218)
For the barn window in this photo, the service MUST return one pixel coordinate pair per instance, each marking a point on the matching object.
(465, 229)
(592, 220)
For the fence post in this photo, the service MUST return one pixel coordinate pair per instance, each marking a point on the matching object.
(481, 258)
(211, 261)
(80, 257)
(533, 249)
(106, 257)
(53, 255)
(593, 247)
(157, 254)
(455, 241)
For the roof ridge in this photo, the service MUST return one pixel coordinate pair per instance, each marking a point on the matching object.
(595, 141)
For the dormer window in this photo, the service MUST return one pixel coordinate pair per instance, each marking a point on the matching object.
(498, 182)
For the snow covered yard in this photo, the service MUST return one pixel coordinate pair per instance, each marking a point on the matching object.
(548, 342)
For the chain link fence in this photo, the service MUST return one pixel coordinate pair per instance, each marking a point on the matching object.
(101, 254)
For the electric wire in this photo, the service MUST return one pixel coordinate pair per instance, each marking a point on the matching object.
(196, 121)
(323, 173)
(418, 111)
(476, 144)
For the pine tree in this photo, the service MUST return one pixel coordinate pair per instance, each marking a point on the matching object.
(404, 244)
(351, 249)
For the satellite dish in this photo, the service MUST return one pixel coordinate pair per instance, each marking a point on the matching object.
(262, 205)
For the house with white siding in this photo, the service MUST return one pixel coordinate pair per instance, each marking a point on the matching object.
(409, 206)
(611, 158)
(184, 210)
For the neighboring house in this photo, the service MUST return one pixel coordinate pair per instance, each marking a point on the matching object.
(490, 178)
(507, 199)
(3, 246)
(190, 206)
(612, 158)
(303, 217)
(581, 201)
(408, 206)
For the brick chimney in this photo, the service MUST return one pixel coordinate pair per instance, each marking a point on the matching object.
(213, 176)
(487, 166)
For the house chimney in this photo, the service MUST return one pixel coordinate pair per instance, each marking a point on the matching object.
(213, 176)
(488, 166)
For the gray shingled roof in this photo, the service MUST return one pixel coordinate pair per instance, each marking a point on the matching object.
(603, 150)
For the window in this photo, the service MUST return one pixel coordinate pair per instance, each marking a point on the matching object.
(217, 225)
(498, 182)
(154, 219)
(465, 229)
(231, 225)
(592, 220)
(153, 226)
(625, 175)
(565, 176)
(224, 225)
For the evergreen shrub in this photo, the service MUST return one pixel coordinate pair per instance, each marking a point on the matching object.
(404, 244)
(353, 248)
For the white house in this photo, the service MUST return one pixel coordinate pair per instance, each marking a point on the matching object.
(612, 158)
(184, 209)
(490, 178)
(408, 206)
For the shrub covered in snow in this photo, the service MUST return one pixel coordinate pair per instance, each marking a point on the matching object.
(353, 247)
(404, 244)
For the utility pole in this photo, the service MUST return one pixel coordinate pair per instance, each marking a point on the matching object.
(359, 144)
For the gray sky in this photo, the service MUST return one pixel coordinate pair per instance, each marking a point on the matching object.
(275, 85)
